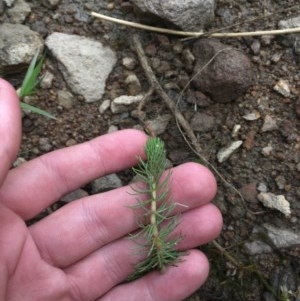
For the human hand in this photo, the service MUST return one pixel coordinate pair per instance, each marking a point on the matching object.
(80, 251)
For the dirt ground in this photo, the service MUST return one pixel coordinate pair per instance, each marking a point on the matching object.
(257, 277)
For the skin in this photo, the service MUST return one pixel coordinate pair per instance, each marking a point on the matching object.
(80, 252)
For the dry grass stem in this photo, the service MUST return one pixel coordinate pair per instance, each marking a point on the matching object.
(197, 34)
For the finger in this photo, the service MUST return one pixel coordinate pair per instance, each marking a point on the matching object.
(99, 272)
(10, 127)
(44, 180)
(97, 220)
(175, 285)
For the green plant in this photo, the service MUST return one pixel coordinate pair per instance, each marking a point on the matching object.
(158, 221)
(30, 83)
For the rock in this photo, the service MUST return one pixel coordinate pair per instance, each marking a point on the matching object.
(202, 122)
(282, 87)
(46, 81)
(74, 196)
(9, 3)
(133, 84)
(266, 151)
(275, 237)
(249, 192)
(45, 144)
(84, 63)
(125, 103)
(106, 183)
(18, 46)
(252, 116)
(105, 104)
(191, 15)
(225, 153)
(269, 124)
(129, 63)
(19, 12)
(227, 76)
(51, 3)
(289, 23)
(65, 99)
(19, 161)
(277, 202)
(158, 125)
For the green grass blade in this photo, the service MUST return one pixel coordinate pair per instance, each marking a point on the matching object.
(26, 106)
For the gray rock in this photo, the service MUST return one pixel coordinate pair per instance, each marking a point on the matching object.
(277, 202)
(65, 99)
(202, 122)
(191, 15)
(269, 124)
(105, 104)
(19, 45)
(74, 195)
(84, 63)
(106, 183)
(9, 3)
(227, 76)
(274, 238)
(51, 3)
(19, 11)
(290, 23)
(47, 79)
(158, 125)
(282, 87)
(125, 103)
(225, 153)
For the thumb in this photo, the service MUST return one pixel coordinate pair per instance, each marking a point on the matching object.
(10, 127)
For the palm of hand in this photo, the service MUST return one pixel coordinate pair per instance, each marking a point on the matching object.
(79, 252)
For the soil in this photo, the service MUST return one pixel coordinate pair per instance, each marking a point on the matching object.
(272, 59)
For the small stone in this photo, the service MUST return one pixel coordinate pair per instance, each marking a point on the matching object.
(129, 63)
(65, 99)
(106, 183)
(262, 187)
(282, 87)
(277, 202)
(281, 182)
(252, 116)
(45, 144)
(112, 128)
(255, 47)
(104, 105)
(125, 103)
(47, 79)
(188, 59)
(133, 85)
(249, 192)
(250, 140)
(269, 124)
(235, 130)
(276, 57)
(202, 122)
(266, 151)
(71, 142)
(225, 153)
(158, 125)
(19, 161)
(74, 196)
(19, 12)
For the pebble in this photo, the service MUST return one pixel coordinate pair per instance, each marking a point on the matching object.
(65, 99)
(45, 144)
(158, 125)
(202, 122)
(19, 161)
(129, 63)
(125, 103)
(277, 202)
(252, 116)
(19, 12)
(262, 187)
(266, 151)
(235, 130)
(105, 104)
(46, 81)
(133, 85)
(282, 87)
(106, 183)
(225, 153)
(74, 196)
(269, 124)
